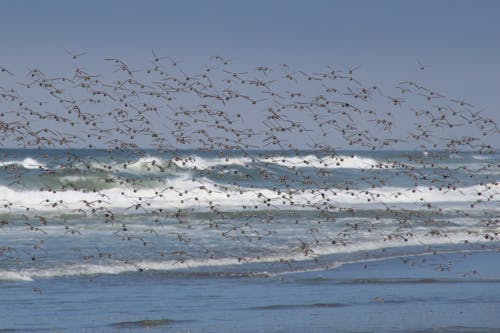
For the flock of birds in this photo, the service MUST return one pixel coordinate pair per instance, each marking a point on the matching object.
(208, 109)
(260, 114)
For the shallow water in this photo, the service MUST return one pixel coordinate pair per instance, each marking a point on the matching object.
(386, 295)
(109, 243)
(74, 212)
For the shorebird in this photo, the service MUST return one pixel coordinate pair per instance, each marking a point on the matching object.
(229, 113)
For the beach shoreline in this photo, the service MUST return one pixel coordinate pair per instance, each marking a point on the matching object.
(404, 294)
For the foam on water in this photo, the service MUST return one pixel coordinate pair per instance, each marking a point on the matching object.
(212, 187)
(364, 248)
(308, 161)
(116, 268)
(335, 162)
(156, 164)
(203, 193)
(27, 163)
(481, 157)
(200, 163)
(6, 275)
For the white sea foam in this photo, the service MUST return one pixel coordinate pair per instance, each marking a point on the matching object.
(202, 193)
(335, 162)
(200, 163)
(309, 161)
(120, 267)
(188, 162)
(153, 164)
(27, 163)
(7, 275)
(157, 164)
(481, 157)
(147, 164)
(418, 238)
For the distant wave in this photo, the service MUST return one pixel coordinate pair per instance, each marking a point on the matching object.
(481, 157)
(183, 192)
(200, 163)
(150, 170)
(115, 268)
(336, 162)
(27, 163)
(160, 164)
(412, 247)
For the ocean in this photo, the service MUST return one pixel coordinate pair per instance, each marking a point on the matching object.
(249, 241)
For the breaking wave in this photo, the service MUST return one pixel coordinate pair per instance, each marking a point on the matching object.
(183, 192)
(27, 163)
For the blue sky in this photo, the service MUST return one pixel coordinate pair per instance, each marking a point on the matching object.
(313, 30)
(457, 41)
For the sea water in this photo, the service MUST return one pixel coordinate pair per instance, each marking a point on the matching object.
(93, 240)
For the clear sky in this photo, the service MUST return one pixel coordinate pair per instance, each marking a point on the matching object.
(457, 41)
